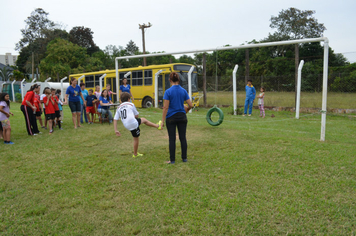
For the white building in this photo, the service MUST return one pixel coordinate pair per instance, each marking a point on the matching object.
(8, 59)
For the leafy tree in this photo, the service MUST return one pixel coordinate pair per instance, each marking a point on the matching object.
(131, 48)
(83, 37)
(62, 56)
(5, 73)
(37, 24)
(160, 60)
(296, 24)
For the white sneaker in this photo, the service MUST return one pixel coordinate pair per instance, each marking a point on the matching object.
(249, 115)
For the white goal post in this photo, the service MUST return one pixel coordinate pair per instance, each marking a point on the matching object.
(269, 44)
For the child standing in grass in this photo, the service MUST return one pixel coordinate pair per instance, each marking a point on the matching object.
(261, 103)
(50, 112)
(128, 114)
(4, 117)
(91, 100)
(56, 108)
(44, 108)
(60, 103)
(38, 107)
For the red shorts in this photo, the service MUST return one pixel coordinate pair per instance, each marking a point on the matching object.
(91, 110)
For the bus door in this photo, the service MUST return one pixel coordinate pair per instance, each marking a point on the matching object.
(160, 91)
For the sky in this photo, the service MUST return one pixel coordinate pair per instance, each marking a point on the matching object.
(179, 25)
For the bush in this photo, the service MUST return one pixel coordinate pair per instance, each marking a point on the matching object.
(18, 97)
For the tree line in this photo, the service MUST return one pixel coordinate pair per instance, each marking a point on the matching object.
(56, 52)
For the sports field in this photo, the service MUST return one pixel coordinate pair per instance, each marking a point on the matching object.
(247, 176)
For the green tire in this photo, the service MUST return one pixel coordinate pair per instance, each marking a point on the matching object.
(221, 116)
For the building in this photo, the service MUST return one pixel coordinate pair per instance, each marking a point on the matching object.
(8, 59)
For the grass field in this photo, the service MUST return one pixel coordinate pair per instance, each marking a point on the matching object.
(287, 99)
(247, 176)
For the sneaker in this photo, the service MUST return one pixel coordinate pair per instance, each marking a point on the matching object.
(45, 127)
(35, 134)
(249, 114)
(138, 155)
(244, 115)
(170, 162)
(185, 160)
(10, 142)
(51, 131)
(61, 128)
(159, 125)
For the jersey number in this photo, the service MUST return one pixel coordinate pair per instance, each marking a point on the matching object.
(123, 114)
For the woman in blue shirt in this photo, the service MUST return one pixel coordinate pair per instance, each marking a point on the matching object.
(174, 114)
(104, 105)
(73, 93)
(126, 88)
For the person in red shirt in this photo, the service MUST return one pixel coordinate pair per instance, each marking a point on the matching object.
(28, 109)
(56, 108)
(50, 111)
(38, 108)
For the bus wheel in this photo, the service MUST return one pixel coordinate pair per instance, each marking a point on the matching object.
(221, 116)
(147, 102)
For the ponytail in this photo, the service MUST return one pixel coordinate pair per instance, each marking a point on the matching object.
(174, 77)
(33, 87)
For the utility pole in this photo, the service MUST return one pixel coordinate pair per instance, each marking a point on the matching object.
(33, 66)
(143, 27)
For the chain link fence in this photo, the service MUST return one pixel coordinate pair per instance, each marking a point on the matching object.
(280, 91)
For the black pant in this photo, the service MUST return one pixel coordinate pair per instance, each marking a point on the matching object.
(180, 121)
(30, 119)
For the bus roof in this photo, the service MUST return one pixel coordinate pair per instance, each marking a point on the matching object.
(131, 69)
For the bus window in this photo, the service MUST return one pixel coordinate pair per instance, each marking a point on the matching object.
(137, 78)
(148, 77)
(121, 76)
(97, 82)
(183, 68)
(89, 81)
(183, 76)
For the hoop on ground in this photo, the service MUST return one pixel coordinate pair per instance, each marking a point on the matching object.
(221, 116)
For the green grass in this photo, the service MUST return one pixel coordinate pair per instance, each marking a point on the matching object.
(247, 176)
(287, 99)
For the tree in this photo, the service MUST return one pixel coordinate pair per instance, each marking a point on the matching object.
(131, 48)
(62, 56)
(296, 24)
(37, 24)
(83, 37)
(5, 73)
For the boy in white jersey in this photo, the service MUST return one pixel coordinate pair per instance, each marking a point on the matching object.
(128, 114)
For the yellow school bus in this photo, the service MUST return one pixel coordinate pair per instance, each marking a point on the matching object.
(142, 82)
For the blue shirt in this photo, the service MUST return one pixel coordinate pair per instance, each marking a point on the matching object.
(104, 100)
(90, 100)
(85, 95)
(250, 92)
(74, 93)
(176, 96)
(125, 89)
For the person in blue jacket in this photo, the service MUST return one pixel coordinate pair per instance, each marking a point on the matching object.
(250, 97)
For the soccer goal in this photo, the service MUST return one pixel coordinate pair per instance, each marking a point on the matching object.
(269, 44)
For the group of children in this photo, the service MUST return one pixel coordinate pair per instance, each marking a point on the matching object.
(52, 108)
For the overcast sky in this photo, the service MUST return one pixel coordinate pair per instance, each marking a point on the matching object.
(179, 25)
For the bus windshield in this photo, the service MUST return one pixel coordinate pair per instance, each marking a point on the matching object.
(183, 76)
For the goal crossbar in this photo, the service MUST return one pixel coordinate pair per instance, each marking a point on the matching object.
(268, 44)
